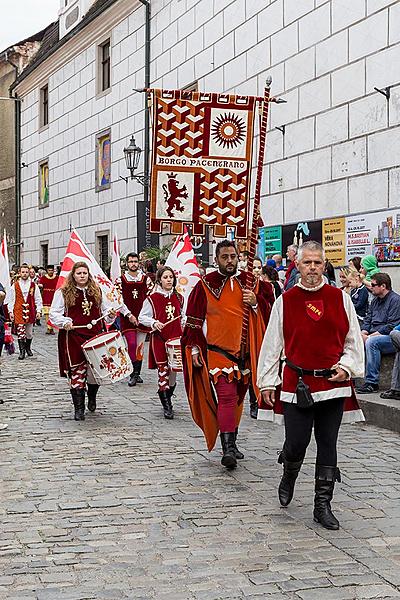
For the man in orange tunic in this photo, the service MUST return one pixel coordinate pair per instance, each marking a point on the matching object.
(216, 374)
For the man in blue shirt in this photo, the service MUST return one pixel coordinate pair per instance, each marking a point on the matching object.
(383, 315)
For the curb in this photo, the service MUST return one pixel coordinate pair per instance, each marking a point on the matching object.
(381, 413)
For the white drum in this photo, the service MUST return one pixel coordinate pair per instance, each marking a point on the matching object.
(174, 354)
(108, 357)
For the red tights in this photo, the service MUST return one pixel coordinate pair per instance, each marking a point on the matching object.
(227, 395)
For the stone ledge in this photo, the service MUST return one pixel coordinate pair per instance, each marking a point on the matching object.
(379, 412)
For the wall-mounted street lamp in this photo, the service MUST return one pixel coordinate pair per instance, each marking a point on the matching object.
(132, 155)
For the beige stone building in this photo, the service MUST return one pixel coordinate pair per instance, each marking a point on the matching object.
(12, 62)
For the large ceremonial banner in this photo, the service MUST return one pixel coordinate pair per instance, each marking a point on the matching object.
(202, 149)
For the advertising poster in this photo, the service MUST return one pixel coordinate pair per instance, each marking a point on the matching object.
(270, 241)
(386, 237)
(376, 233)
(301, 232)
(334, 240)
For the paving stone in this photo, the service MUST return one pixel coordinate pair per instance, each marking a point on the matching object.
(127, 505)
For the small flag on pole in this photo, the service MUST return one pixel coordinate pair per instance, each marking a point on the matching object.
(183, 261)
(78, 251)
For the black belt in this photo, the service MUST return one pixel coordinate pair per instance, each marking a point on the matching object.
(314, 372)
(236, 359)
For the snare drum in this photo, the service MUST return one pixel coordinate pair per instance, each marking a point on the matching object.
(108, 357)
(174, 354)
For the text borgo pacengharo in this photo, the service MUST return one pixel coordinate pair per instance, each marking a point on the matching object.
(201, 162)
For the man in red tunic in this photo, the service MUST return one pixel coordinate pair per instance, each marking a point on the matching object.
(136, 286)
(314, 328)
(216, 374)
(48, 284)
(24, 307)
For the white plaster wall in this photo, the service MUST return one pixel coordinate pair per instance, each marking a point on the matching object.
(76, 115)
(341, 149)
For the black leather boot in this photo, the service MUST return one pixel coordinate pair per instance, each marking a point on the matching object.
(290, 473)
(78, 397)
(253, 403)
(167, 404)
(138, 371)
(228, 448)
(28, 344)
(92, 390)
(132, 379)
(239, 455)
(21, 344)
(325, 478)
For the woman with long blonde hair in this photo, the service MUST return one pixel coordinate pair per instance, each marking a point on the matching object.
(77, 304)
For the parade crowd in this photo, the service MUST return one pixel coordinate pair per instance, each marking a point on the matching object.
(293, 338)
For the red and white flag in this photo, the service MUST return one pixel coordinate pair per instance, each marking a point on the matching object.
(78, 251)
(5, 267)
(115, 271)
(183, 261)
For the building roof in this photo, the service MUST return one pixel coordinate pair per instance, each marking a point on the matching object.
(36, 37)
(51, 38)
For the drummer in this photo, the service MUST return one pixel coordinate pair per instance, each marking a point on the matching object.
(77, 309)
(162, 311)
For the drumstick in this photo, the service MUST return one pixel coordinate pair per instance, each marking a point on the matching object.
(93, 322)
(171, 320)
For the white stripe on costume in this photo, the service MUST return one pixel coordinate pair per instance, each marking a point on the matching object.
(342, 392)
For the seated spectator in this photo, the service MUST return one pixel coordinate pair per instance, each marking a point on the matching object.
(382, 316)
(292, 273)
(394, 392)
(359, 295)
(369, 268)
(344, 279)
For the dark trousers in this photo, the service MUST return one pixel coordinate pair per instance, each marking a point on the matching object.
(326, 417)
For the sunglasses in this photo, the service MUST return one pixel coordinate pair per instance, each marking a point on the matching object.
(375, 284)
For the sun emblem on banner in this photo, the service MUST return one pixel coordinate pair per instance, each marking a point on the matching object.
(228, 130)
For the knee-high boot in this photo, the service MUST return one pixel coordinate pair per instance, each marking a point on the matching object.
(28, 344)
(290, 473)
(325, 478)
(166, 403)
(228, 448)
(78, 398)
(138, 370)
(21, 344)
(92, 390)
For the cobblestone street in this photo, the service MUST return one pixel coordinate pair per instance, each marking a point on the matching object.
(128, 505)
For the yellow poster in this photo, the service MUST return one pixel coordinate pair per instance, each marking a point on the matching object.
(334, 240)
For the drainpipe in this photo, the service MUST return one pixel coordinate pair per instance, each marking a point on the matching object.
(147, 42)
(17, 140)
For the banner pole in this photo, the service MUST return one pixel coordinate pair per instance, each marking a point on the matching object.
(256, 214)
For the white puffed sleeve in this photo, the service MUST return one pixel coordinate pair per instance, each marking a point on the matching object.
(57, 310)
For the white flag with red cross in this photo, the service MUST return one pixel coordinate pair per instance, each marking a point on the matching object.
(78, 251)
(5, 267)
(183, 261)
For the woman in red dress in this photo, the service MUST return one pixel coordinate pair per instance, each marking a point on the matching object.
(77, 304)
(162, 312)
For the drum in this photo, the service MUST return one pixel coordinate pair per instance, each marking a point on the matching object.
(174, 354)
(108, 357)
